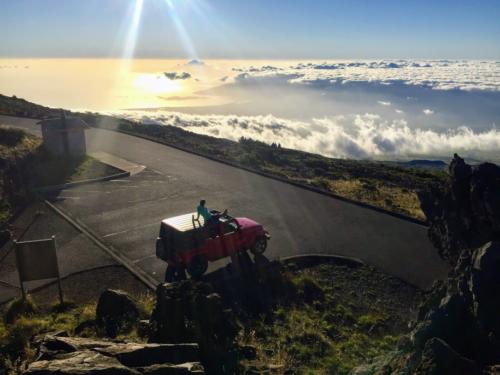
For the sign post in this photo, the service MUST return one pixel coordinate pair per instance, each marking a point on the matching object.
(37, 260)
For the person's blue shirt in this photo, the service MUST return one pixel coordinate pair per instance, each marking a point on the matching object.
(203, 211)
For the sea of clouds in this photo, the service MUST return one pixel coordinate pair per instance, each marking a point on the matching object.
(358, 136)
(436, 74)
(390, 109)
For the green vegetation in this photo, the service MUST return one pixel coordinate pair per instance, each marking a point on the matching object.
(329, 327)
(17, 151)
(22, 320)
(13, 106)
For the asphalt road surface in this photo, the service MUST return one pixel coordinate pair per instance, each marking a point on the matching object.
(126, 213)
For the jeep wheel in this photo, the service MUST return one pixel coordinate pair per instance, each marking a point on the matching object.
(259, 246)
(174, 274)
(169, 274)
(197, 267)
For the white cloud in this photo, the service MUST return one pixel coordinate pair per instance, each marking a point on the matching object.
(385, 104)
(428, 112)
(435, 74)
(352, 136)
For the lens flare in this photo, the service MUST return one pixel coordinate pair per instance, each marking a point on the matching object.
(152, 84)
(133, 31)
(181, 30)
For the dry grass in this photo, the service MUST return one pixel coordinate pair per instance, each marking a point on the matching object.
(390, 198)
(15, 143)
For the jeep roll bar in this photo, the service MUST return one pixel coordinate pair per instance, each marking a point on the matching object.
(196, 221)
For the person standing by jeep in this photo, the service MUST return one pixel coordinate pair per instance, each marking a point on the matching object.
(204, 212)
(210, 217)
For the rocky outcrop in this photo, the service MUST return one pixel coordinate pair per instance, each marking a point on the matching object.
(467, 214)
(456, 317)
(191, 311)
(75, 355)
(82, 362)
(458, 326)
(438, 358)
(116, 310)
(458, 330)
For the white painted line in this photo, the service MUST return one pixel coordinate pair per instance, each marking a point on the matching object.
(130, 230)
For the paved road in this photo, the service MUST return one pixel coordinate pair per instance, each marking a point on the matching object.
(126, 213)
(37, 222)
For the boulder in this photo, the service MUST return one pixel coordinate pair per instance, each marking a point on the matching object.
(141, 355)
(65, 355)
(166, 369)
(453, 312)
(189, 311)
(82, 362)
(116, 310)
(50, 345)
(438, 358)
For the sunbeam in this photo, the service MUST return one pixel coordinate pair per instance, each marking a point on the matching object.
(181, 30)
(133, 31)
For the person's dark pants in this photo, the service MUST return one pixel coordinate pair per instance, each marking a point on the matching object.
(211, 224)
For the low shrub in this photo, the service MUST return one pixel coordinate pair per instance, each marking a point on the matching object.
(10, 136)
(19, 307)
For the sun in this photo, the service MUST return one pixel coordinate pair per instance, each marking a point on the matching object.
(156, 84)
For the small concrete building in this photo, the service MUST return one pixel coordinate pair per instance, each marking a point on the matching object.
(64, 136)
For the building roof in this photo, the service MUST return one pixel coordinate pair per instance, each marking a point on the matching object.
(184, 223)
(64, 123)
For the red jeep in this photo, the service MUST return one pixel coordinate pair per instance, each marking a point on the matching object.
(186, 243)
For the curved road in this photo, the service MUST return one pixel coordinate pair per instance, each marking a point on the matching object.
(126, 213)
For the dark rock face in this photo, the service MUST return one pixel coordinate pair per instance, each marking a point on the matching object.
(438, 359)
(115, 309)
(458, 326)
(467, 318)
(76, 355)
(467, 215)
(190, 311)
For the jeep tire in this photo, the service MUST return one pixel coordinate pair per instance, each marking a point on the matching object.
(197, 267)
(260, 245)
(173, 274)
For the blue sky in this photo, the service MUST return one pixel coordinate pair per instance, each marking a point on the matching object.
(301, 29)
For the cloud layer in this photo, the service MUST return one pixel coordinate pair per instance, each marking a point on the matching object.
(353, 136)
(436, 74)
